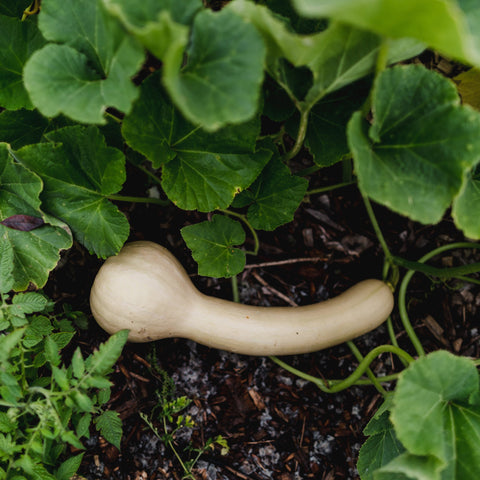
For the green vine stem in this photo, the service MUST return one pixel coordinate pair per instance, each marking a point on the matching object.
(378, 232)
(243, 218)
(124, 198)
(351, 380)
(447, 272)
(316, 191)
(347, 168)
(402, 292)
(369, 372)
(235, 294)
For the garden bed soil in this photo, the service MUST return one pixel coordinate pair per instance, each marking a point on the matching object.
(277, 425)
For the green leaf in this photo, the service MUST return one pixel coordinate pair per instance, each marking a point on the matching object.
(220, 83)
(71, 438)
(346, 54)
(7, 425)
(35, 252)
(13, 9)
(201, 171)
(59, 375)
(83, 425)
(30, 302)
(433, 414)
(83, 402)
(79, 173)
(94, 381)
(62, 339)
(18, 41)
(161, 26)
(38, 328)
(448, 26)
(88, 66)
(78, 365)
(212, 245)
(421, 145)
(275, 196)
(8, 343)
(464, 210)
(69, 467)
(411, 467)
(24, 127)
(380, 448)
(33, 468)
(6, 267)
(280, 41)
(326, 132)
(52, 352)
(21, 127)
(109, 425)
(102, 360)
(337, 56)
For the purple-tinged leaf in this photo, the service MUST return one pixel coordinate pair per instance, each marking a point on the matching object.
(24, 223)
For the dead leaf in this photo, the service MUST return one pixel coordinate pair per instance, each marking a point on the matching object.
(24, 223)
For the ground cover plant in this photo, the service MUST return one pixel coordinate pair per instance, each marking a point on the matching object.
(231, 112)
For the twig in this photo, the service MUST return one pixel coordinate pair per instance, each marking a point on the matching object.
(274, 290)
(286, 262)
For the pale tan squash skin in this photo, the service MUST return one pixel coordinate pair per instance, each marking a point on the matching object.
(146, 290)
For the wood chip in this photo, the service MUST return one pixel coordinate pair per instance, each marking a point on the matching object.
(435, 329)
(257, 399)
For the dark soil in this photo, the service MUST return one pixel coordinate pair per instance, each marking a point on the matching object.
(277, 425)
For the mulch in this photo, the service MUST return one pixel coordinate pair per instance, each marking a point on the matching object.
(277, 425)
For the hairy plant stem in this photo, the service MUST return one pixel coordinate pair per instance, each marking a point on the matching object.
(124, 198)
(380, 66)
(339, 385)
(378, 231)
(302, 132)
(243, 218)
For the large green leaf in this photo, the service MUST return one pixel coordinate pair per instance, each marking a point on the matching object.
(24, 127)
(411, 467)
(337, 56)
(18, 41)
(449, 26)
(161, 26)
(13, 9)
(437, 413)
(466, 211)
(88, 67)
(79, 173)
(421, 145)
(201, 171)
(326, 136)
(213, 246)
(280, 41)
(220, 83)
(345, 54)
(36, 252)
